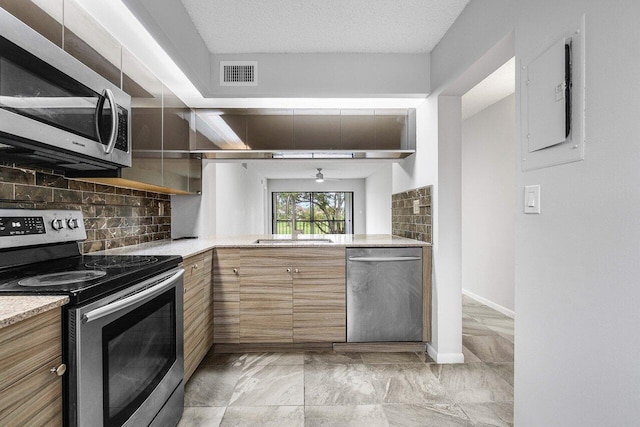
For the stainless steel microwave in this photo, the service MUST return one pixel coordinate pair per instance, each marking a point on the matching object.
(55, 111)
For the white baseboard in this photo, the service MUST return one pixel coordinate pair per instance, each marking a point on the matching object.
(444, 358)
(497, 307)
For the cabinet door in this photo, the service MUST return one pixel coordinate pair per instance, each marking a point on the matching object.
(29, 393)
(146, 121)
(43, 16)
(226, 296)
(319, 298)
(266, 296)
(194, 315)
(208, 301)
(87, 41)
(180, 169)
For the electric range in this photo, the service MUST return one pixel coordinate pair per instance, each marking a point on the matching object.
(122, 329)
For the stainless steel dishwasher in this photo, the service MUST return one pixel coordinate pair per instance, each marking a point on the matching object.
(384, 294)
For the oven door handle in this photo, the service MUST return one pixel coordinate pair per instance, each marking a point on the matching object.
(133, 299)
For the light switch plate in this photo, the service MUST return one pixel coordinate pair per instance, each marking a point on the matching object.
(416, 207)
(532, 199)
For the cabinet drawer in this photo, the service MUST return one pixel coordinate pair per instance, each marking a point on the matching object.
(26, 346)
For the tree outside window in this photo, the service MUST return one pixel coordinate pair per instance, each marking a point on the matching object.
(315, 212)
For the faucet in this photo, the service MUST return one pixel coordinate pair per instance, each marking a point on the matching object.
(294, 231)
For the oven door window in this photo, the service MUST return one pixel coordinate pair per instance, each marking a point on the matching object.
(138, 349)
(32, 88)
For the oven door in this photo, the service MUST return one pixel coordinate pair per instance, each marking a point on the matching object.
(125, 356)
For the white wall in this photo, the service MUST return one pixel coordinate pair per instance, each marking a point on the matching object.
(339, 75)
(576, 269)
(378, 201)
(232, 203)
(577, 263)
(488, 200)
(355, 185)
(240, 200)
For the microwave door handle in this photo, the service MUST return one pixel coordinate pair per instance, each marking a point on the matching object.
(98, 116)
(133, 299)
(114, 123)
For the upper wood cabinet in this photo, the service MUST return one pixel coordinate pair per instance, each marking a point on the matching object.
(269, 130)
(317, 129)
(90, 43)
(146, 121)
(358, 129)
(219, 129)
(161, 132)
(181, 169)
(44, 16)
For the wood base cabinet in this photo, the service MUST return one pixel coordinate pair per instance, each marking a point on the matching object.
(30, 392)
(279, 295)
(266, 296)
(226, 296)
(198, 316)
(319, 301)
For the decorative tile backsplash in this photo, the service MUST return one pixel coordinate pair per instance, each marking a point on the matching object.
(113, 216)
(407, 224)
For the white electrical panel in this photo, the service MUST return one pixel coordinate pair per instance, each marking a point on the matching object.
(552, 102)
(546, 87)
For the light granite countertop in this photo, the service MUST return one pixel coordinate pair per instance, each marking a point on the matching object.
(190, 247)
(14, 308)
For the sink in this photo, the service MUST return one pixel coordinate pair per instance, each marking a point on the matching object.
(291, 241)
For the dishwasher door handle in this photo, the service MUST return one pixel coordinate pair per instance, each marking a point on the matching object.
(385, 259)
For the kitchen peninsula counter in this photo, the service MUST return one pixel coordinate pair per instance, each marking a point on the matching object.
(190, 247)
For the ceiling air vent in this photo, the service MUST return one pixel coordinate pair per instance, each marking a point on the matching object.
(238, 73)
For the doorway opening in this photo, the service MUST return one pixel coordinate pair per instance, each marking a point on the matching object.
(488, 153)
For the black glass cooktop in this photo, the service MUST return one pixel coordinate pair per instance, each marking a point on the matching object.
(83, 278)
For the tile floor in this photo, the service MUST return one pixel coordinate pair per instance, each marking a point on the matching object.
(366, 389)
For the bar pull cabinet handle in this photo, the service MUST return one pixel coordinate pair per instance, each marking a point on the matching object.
(385, 259)
(59, 370)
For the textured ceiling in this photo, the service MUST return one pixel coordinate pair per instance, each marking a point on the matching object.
(322, 26)
(498, 85)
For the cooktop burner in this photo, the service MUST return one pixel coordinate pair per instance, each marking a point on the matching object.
(40, 255)
(83, 277)
(121, 261)
(64, 278)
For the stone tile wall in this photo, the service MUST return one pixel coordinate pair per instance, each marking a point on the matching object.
(407, 224)
(113, 216)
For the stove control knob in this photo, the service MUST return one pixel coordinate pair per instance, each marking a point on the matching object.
(57, 224)
(73, 223)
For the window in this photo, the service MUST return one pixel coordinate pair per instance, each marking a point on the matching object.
(315, 213)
